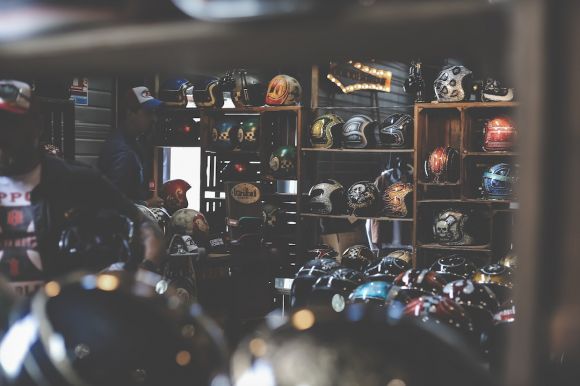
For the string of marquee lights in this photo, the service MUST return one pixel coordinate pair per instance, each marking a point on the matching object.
(374, 72)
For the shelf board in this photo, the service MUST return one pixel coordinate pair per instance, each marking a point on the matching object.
(477, 248)
(347, 217)
(490, 154)
(438, 183)
(467, 200)
(249, 110)
(315, 150)
(466, 105)
(234, 152)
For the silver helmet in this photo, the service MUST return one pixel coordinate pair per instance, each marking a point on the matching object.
(449, 228)
(451, 84)
(326, 197)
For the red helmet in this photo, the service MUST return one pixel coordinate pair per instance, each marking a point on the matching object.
(174, 193)
(440, 310)
(499, 134)
(415, 283)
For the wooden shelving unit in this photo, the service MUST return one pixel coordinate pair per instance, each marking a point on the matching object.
(316, 150)
(355, 218)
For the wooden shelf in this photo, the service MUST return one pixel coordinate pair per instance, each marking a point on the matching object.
(466, 105)
(347, 217)
(438, 183)
(250, 110)
(476, 248)
(231, 153)
(490, 154)
(315, 150)
(467, 201)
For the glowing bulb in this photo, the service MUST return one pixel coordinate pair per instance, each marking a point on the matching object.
(258, 347)
(303, 320)
(183, 358)
(107, 282)
(52, 289)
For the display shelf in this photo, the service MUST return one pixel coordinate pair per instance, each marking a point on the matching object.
(315, 150)
(249, 110)
(438, 183)
(347, 217)
(490, 154)
(465, 105)
(475, 248)
(466, 200)
(233, 153)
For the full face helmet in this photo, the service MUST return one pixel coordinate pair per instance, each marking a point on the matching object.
(449, 228)
(174, 195)
(478, 301)
(307, 276)
(321, 251)
(375, 292)
(395, 131)
(110, 329)
(334, 289)
(226, 135)
(190, 222)
(498, 181)
(326, 131)
(453, 267)
(389, 267)
(362, 198)
(248, 89)
(499, 134)
(453, 84)
(442, 165)
(283, 90)
(357, 257)
(173, 92)
(397, 198)
(251, 130)
(357, 132)
(208, 92)
(497, 278)
(283, 161)
(327, 197)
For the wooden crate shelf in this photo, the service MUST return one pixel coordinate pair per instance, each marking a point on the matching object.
(355, 218)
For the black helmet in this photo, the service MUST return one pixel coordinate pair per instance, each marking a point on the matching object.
(321, 251)
(415, 283)
(334, 289)
(388, 268)
(109, 330)
(247, 88)
(442, 165)
(395, 131)
(357, 257)
(498, 278)
(307, 276)
(358, 132)
(453, 267)
(173, 92)
(362, 198)
(326, 131)
(327, 197)
(208, 92)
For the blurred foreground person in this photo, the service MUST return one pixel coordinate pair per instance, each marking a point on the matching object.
(110, 330)
(360, 346)
(51, 210)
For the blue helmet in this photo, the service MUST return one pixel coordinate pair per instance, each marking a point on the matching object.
(498, 181)
(174, 92)
(372, 292)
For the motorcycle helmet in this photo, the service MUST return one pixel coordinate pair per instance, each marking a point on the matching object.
(499, 134)
(334, 289)
(492, 91)
(395, 131)
(441, 310)
(397, 198)
(498, 182)
(415, 283)
(273, 216)
(283, 161)
(449, 228)
(162, 217)
(52, 150)
(173, 92)
(325, 131)
(307, 276)
(357, 132)
(479, 302)
(247, 89)
(453, 84)
(498, 278)
(362, 199)
(174, 195)
(510, 260)
(374, 292)
(250, 128)
(453, 267)
(326, 197)
(208, 92)
(442, 165)
(321, 251)
(283, 90)
(145, 211)
(110, 329)
(190, 222)
(357, 257)
(389, 267)
(178, 272)
(237, 171)
(226, 135)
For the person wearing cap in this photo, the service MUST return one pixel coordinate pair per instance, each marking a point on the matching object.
(38, 192)
(123, 154)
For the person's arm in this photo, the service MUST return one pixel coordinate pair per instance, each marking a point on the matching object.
(125, 174)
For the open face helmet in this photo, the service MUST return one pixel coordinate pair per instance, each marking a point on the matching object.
(395, 131)
(174, 195)
(272, 216)
(498, 181)
(453, 267)
(208, 92)
(362, 198)
(226, 135)
(357, 132)
(334, 289)
(375, 292)
(499, 134)
(388, 268)
(498, 278)
(492, 91)
(283, 161)
(321, 251)
(307, 276)
(442, 165)
(449, 228)
(283, 90)
(453, 84)
(190, 222)
(251, 131)
(326, 131)
(357, 257)
(417, 282)
(162, 217)
(326, 197)
(110, 329)
(397, 198)
(173, 92)
(248, 89)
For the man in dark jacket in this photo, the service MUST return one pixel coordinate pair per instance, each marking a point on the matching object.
(125, 151)
(38, 193)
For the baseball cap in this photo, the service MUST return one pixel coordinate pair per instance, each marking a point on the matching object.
(15, 96)
(140, 97)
